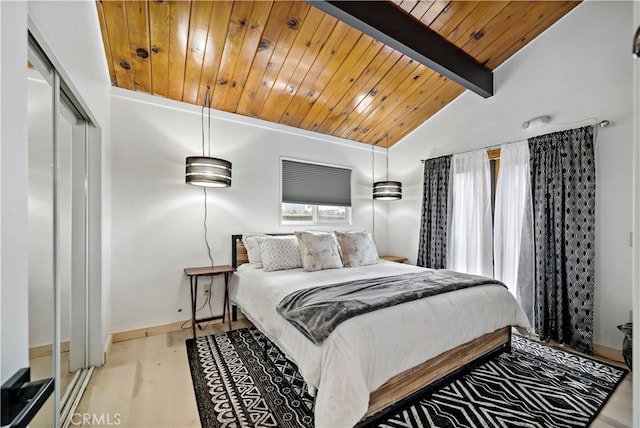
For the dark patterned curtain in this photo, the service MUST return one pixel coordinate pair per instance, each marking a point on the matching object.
(563, 190)
(432, 250)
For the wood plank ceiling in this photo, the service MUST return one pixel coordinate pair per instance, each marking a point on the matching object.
(289, 63)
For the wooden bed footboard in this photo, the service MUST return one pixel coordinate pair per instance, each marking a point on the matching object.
(403, 387)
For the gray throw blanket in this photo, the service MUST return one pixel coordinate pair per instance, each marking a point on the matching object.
(317, 311)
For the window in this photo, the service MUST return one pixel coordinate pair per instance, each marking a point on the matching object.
(315, 214)
(315, 194)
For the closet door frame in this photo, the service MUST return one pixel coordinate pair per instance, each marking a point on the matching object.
(86, 308)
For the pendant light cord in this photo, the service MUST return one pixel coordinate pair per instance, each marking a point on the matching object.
(206, 229)
(373, 200)
(387, 135)
(207, 103)
(202, 123)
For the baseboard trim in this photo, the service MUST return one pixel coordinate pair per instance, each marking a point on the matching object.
(146, 331)
(608, 353)
(158, 329)
(107, 348)
(602, 351)
(45, 350)
(151, 331)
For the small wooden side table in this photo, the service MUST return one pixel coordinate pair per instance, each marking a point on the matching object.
(396, 259)
(196, 272)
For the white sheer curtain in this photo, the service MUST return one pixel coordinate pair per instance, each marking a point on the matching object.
(470, 214)
(513, 238)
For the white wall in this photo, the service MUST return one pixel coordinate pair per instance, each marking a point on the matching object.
(14, 333)
(580, 68)
(158, 219)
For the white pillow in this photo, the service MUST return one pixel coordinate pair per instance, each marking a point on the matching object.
(357, 249)
(318, 251)
(280, 252)
(251, 243)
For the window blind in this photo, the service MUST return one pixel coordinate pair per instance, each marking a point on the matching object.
(307, 183)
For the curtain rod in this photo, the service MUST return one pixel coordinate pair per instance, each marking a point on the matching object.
(590, 121)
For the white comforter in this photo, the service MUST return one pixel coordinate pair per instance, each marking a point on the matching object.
(366, 351)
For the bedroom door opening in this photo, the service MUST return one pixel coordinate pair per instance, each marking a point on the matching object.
(59, 150)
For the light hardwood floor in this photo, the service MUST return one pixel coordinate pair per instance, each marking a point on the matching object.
(146, 383)
(41, 368)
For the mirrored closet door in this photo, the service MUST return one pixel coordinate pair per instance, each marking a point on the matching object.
(40, 232)
(58, 227)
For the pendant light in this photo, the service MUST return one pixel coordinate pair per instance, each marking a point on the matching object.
(207, 171)
(387, 190)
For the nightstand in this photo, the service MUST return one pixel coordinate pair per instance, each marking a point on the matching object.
(196, 272)
(396, 259)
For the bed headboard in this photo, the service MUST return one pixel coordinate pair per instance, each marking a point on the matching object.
(239, 252)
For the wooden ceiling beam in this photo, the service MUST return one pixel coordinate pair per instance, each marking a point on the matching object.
(387, 23)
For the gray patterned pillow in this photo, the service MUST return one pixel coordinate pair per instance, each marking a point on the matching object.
(357, 249)
(280, 253)
(251, 243)
(319, 251)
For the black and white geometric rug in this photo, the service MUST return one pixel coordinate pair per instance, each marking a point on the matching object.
(535, 385)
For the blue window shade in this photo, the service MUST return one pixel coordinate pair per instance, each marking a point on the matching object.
(307, 183)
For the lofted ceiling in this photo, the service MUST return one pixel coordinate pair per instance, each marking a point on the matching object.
(288, 62)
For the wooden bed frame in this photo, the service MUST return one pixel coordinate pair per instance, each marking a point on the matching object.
(428, 375)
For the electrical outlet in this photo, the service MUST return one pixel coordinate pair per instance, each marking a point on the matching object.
(206, 290)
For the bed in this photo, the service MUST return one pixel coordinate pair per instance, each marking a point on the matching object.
(372, 361)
